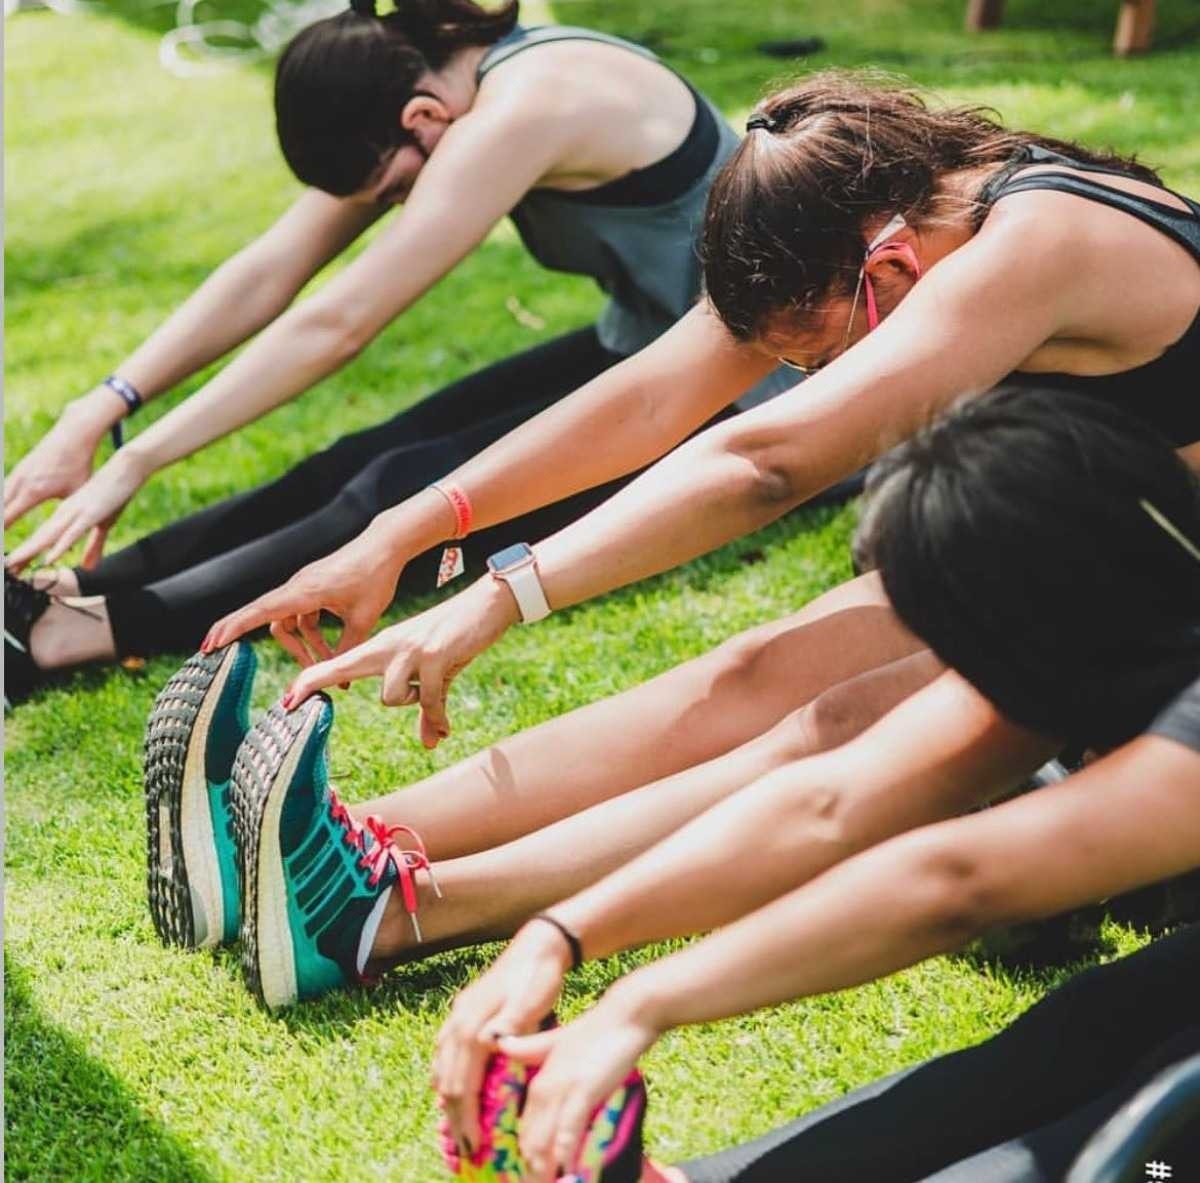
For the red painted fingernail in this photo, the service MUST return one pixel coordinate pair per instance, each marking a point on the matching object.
(286, 701)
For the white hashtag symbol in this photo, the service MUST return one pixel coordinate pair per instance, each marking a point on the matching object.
(1158, 1170)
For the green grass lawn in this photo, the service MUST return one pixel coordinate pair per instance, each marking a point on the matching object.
(125, 188)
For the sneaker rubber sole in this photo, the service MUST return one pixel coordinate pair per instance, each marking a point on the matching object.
(262, 769)
(182, 874)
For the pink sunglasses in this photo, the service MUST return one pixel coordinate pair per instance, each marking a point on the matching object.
(877, 245)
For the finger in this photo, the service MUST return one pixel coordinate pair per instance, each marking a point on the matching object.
(281, 630)
(363, 662)
(530, 1049)
(70, 528)
(18, 501)
(538, 1122)
(94, 551)
(71, 534)
(400, 688)
(435, 686)
(310, 629)
(42, 537)
(274, 605)
(456, 1082)
(517, 1017)
(574, 1117)
(352, 635)
(472, 1065)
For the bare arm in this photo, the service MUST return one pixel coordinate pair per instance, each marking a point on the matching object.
(939, 752)
(243, 294)
(248, 291)
(621, 420)
(1130, 819)
(741, 475)
(483, 164)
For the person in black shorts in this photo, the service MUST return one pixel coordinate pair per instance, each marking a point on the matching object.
(1047, 547)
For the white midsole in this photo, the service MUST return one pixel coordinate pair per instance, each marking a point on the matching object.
(195, 819)
(276, 958)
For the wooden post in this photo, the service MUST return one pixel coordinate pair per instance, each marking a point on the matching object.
(984, 14)
(1135, 27)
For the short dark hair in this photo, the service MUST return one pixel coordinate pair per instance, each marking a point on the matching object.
(1013, 536)
(783, 232)
(342, 83)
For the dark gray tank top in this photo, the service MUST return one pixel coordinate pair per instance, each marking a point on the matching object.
(643, 256)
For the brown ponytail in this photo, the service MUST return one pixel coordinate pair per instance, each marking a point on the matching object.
(341, 84)
(783, 231)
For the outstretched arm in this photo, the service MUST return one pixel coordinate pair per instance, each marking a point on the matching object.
(747, 471)
(1130, 819)
(623, 419)
(483, 165)
(245, 293)
(939, 752)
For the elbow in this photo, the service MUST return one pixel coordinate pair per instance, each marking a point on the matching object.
(815, 819)
(955, 896)
(769, 479)
(332, 335)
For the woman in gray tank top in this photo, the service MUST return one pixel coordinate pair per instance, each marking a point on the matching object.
(601, 156)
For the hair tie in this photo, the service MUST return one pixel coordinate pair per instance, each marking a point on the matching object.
(1161, 519)
(763, 120)
(363, 7)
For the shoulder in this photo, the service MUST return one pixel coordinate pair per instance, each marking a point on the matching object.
(1180, 719)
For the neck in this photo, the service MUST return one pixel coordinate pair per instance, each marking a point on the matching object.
(455, 82)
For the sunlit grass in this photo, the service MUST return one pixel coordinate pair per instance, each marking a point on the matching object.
(125, 187)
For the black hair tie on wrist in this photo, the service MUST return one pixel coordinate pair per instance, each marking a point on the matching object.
(760, 119)
(129, 395)
(567, 935)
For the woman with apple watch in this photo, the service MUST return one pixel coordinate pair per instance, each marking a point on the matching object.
(439, 105)
(1081, 624)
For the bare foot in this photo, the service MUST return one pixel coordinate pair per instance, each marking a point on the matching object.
(67, 635)
(58, 581)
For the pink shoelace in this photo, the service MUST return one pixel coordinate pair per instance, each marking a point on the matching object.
(384, 849)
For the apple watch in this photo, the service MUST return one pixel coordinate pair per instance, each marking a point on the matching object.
(517, 566)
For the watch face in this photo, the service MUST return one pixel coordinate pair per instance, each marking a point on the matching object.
(510, 557)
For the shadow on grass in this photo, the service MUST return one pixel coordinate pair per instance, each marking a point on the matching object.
(66, 1116)
(105, 253)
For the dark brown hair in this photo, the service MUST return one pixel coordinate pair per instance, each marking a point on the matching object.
(1021, 537)
(783, 231)
(342, 82)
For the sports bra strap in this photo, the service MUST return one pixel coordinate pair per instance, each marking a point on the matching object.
(522, 38)
(1183, 225)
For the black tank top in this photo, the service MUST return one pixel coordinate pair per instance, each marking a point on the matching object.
(1166, 391)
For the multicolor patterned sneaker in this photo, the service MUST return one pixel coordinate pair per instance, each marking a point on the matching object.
(195, 728)
(317, 882)
(611, 1151)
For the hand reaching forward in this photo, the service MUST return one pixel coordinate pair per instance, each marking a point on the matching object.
(91, 509)
(419, 658)
(518, 990)
(355, 583)
(581, 1064)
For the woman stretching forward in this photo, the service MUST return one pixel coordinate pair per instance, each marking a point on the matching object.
(1048, 550)
(441, 106)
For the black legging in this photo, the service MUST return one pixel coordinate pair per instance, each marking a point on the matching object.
(167, 589)
(1017, 1107)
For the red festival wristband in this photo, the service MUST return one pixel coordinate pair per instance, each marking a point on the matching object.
(461, 504)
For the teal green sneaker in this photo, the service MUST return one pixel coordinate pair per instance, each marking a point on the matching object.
(317, 883)
(194, 731)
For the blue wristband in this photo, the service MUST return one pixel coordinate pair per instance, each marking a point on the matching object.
(129, 395)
